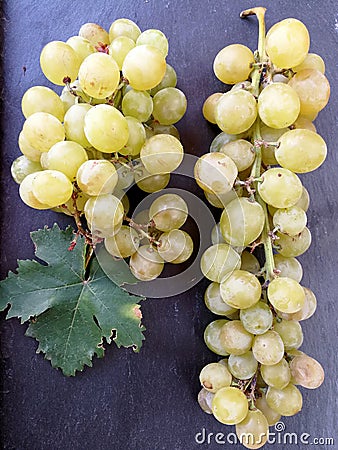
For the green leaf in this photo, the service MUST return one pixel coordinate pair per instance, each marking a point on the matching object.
(71, 310)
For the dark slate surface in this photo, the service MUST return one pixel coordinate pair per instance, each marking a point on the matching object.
(148, 401)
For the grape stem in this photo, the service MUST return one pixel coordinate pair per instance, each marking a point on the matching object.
(139, 229)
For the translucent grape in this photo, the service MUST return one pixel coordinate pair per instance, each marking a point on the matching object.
(42, 130)
(216, 236)
(59, 61)
(81, 46)
(146, 264)
(52, 187)
(66, 157)
(233, 63)
(243, 366)
(290, 221)
(221, 200)
(74, 123)
(99, 75)
(288, 267)
(271, 416)
(144, 67)
(311, 61)
(94, 33)
(278, 105)
(230, 405)
(241, 152)
(235, 339)
(97, 177)
(119, 48)
(253, 431)
(249, 262)
(205, 400)
(215, 173)
(222, 139)
(106, 128)
(42, 99)
(278, 375)
(304, 122)
(215, 376)
(176, 246)
(214, 302)
(151, 183)
(137, 104)
(236, 111)
(257, 319)
(161, 153)
(242, 221)
(157, 128)
(284, 36)
(286, 294)
(306, 371)
(301, 150)
(209, 106)
(27, 195)
(307, 310)
(218, 261)
(124, 27)
(169, 211)
(292, 246)
(104, 215)
(268, 151)
(137, 137)
(170, 105)
(287, 401)
(124, 243)
(280, 187)
(291, 333)
(154, 38)
(22, 166)
(268, 348)
(169, 80)
(27, 149)
(241, 289)
(212, 337)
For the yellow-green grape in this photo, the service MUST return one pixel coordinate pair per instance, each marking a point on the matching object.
(150, 183)
(176, 246)
(215, 173)
(161, 153)
(58, 62)
(146, 264)
(280, 187)
(223, 138)
(154, 38)
(157, 128)
(94, 33)
(268, 348)
(253, 431)
(144, 67)
(233, 63)
(27, 149)
(271, 416)
(230, 405)
(106, 128)
(242, 85)
(249, 262)
(68, 99)
(169, 80)
(268, 151)
(119, 48)
(22, 166)
(221, 200)
(214, 302)
(243, 366)
(287, 43)
(236, 111)
(124, 27)
(27, 195)
(216, 236)
(74, 123)
(288, 267)
(205, 400)
(278, 375)
(104, 215)
(212, 337)
(235, 339)
(291, 333)
(218, 261)
(124, 243)
(241, 152)
(170, 105)
(215, 376)
(42, 130)
(311, 61)
(66, 157)
(304, 123)
(290, 220)
(242, 221)
(208, 109)
(241, 289)
(42, 99)
(287, 401)
(278, 105)
(306, 371)
(52, 187)
(306, 312)
(292, 246)
(257, 319)
(137, 137)
(286, 294)
(99, 75)
(82, 46)
(313, 90)
(137, 104)
(97, 177)
(301, 151)
(169, 211)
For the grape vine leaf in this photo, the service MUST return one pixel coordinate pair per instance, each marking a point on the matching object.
(70, 309)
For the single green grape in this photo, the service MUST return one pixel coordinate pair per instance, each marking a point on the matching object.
(150, 183)
(292, 246)
(249, 262)
(311, 61)
(169, 80)
(288, 267)
(208, 108)
(124, 243)
(138, 104)
(230, 405)
(42, 131)
(119, 48)
(306, 371)
(170, 105)
(169, 211)
(205, 400)
(27, 149)
(241, 289)
(257, 319)
(243, 366)
(218, 261)
(81, 46)
(66, 157)
(241, 152)
(268, 348)
(52, 187)
(42, 99)
(306, 311)
(214, 301)
(286, 294)
(271, 416)
(22, 166)
(104, 215)
(97, 177)
(74, 124)
(124, 27)
(176, 246)
(215, 376)
(253, 431)
(162, 153)
(94, 33)
(291, 333)
(59, 61)
(280, 187)
(290, 220)
(235, 339)
(154, 38)
(287, 401)
(233, 63)
(278, 375)
(212, 337)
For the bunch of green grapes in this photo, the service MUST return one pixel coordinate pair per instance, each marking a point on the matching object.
(112, 125)
(251, 172)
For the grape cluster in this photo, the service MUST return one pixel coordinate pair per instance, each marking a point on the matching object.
(250, 173)
(112, 125)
